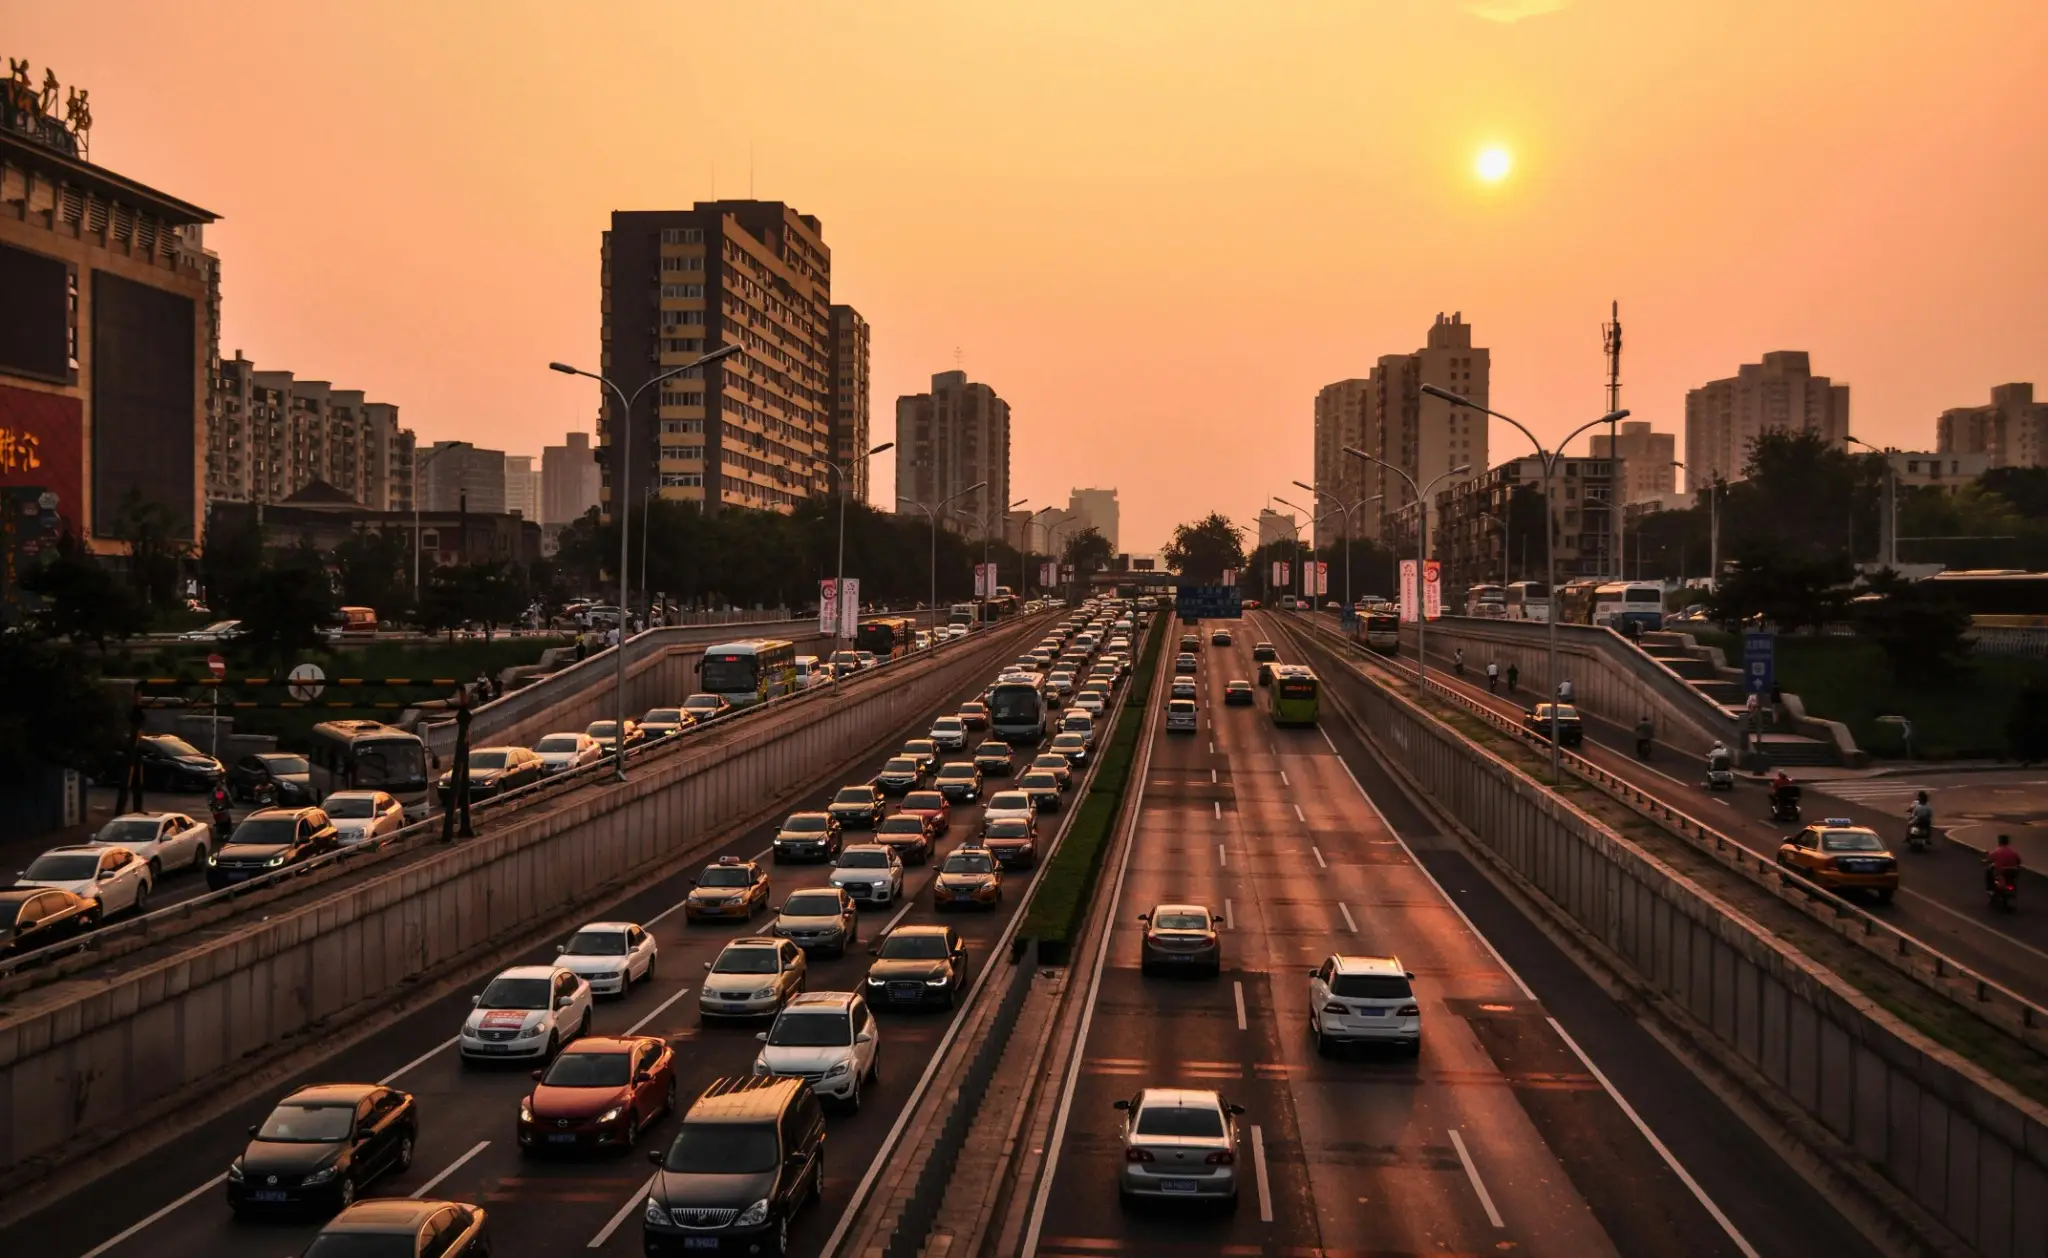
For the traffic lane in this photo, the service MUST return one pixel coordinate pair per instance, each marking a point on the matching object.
(132, 1193)
(1767, 1201)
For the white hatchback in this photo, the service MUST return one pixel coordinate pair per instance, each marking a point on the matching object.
(610, 956)
(528, 1011)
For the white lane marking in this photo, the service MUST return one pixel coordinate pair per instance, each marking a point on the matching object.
(1299, 815)
(1221, 860)
(1320, 862)
(420, 1060)
(625, 1212)
(1478, 1185)
(1237, 990)
(1229, 913)
(1259, 1169)
(1350, 925)
(658, 1010)
(133, 1228)
(1219, 808)
(450, 1169)
(1670, 1159)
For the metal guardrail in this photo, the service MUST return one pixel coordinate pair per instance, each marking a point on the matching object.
(115, 939)
(1996, 1005)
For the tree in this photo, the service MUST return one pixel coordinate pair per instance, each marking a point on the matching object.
(1203, 551)
(84, 600)
(1923, 634)
(1088, 551)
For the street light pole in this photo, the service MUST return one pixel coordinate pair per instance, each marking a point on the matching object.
(1421, 557)
(931, 514)
(419, 465)
(622, 499)
(1550, 458)
(839, 580)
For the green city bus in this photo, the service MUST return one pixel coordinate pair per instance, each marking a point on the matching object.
(1294, 695)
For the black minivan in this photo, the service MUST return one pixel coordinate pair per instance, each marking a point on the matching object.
(747, 1156)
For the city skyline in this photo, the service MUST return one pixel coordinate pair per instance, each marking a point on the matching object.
(1919, 298)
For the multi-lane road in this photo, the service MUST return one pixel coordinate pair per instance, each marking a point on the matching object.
(1538, 1119)
(171, 1205)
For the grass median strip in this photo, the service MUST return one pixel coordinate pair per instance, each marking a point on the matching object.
(1054, 916)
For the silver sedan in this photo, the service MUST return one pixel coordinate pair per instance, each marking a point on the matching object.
(1179, 1142)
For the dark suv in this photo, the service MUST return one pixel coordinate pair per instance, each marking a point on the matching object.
(747, 1156)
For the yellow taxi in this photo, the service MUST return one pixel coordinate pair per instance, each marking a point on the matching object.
(970, 878)
(732, 888)
(1842, 856)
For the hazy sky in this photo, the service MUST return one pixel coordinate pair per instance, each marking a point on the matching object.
(1156, 228)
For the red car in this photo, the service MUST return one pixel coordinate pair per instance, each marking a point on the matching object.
(974, 714)
(930, 804)
(600, 1093)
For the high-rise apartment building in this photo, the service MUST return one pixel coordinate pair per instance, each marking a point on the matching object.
(1344, 417)
(569, 480)
(1648, 472)
(1425, 437)
(852, 399)
(456, 476)
(522, 487)
(951, 438)
(1097, 509)
(2012, 431)
(276, 434)
(1723, 417)
(746, 431)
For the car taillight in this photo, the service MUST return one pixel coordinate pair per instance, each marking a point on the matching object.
(1334, 1007)
(1408, 1011)
(1222, 1157)
(1138, 1155)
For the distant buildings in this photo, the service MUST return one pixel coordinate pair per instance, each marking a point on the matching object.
(1647, 468)
(274, 434)
(1723, 417)
(2011, 432)
(852, 401)
(1096, 509)
(948, 439)
(456, 476)
(569, 480)
(1344, 417)
(522, 487)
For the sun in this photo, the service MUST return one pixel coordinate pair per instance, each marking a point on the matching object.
(1493, 164)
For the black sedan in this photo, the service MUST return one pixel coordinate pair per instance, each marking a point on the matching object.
(276, 777)
(918, 966)
(169, 763)
(35, 917)
(322, 1145)
(495, 771)
(858, 807)
(269, 840)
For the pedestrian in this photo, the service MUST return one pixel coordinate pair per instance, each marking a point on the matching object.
(1493, 677)
(1514, 675)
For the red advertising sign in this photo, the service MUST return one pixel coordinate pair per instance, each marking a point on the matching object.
(42, 448)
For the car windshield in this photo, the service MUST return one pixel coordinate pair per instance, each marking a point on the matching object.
(62, 868)
(663, 716)
(1007, 828)
(172, 745)
(854, 795)
(286, 764)
(128, 830)
(1370, 986)
(516, 993)
(1179, 1120)
(722, 1149)
(923, 801)
(487, 760)
(807, 823)
(968, 863)
(901, 764)
(811, 904)
(863, 860)
(1850, 841)
(589, 1070)
(1179, 919)
(745, 961)
(558, 742)
(811, 1030)
(956, 772)
(597, 943)
(351, 807)
(900, 824)
(308, 1124)
(902, 947)
(266, 831)
(724, 876)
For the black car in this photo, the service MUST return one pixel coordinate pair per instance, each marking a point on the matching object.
(900, 775)
(748, 1154)
(910, 833)
(1571, 731)
(858, 807)
(404, 1225)
(496, 771)
(269, 840)
(322, 1146)
(917, 966)
(35, 917)
(169, 763)
(807, 835)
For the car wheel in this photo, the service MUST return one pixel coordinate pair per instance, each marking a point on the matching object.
(404, 1159)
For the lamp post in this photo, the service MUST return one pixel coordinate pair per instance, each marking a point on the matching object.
(1421, 556)
(839, 581)
(931, 514)
(622, 497)
(1890, 549)
(419, 465)
(1550, 458)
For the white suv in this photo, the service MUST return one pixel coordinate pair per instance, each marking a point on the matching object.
(527, 1011)
(1363, 1000)
(827, 1039)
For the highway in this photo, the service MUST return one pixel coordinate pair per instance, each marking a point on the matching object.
(171, 1205)
(1539, 1119)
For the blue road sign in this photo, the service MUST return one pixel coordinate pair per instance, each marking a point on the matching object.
(1759, 662)
(1208, 601)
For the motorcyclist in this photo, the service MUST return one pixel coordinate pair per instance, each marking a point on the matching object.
(2002, 861)
(1646, 731)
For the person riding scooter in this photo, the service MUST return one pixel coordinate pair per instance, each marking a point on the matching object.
(1920, 823)
(1646, 733)
(2002, 873)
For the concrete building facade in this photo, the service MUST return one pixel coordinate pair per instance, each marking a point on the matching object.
(1097, 509)
(569, 480)
(456, 476)
(276, 434)
(852, 400)
(1723, 417)
(1646, 460)
(948, 439)
(2010, 432)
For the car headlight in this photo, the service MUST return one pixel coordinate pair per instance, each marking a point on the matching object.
(235, 1171)
(653, 1212)
(612, 1114)
(320, 1176)
(940, 981)
(754, 1215)
(836, 1071)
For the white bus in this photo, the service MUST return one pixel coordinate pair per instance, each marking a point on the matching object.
(1017, 710)
(1528, 600)
(746, 673)
(368, 755)
(1488, 601)
(1620, 604)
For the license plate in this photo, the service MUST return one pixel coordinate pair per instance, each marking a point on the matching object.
(1176, 1185)
(561, 1137)
(269, 1194)
(700, 1242)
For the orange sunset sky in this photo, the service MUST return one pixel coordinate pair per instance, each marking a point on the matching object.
(1156, 228)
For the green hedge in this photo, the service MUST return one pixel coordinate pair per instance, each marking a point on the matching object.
(1060, 904)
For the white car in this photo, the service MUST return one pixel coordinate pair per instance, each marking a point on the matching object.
(561, 752)
(1009, 804)
(116, 878)
(869, 872)
(360, 816)
(828, 1039)
(527, 1012)
(166, 840)
(1360, 999)
(950, 733)
(610, 956)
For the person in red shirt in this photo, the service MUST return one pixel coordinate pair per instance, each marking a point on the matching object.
(2002, 861)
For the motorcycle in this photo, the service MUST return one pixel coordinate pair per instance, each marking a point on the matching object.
(1785, 803)
(2001, 887)
(1919, 836)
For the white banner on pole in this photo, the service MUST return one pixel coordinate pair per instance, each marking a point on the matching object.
(1408, 591)
(1433, 590)
(849, 608)
(828, 606)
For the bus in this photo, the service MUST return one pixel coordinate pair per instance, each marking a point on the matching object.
(1575, 602)
(1293, 695)
(1487, 601)
(369, 755)
(1017, 710)
(747, 673)
(887, 636)
(1622, 604)
(1381, 631)
(1528, 600)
